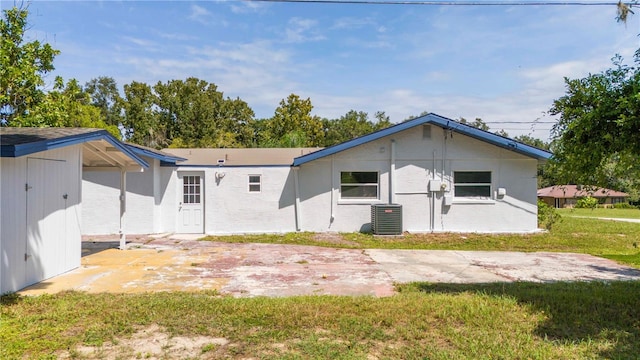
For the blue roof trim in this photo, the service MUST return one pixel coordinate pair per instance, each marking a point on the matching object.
(443, 122)
(223, 166)
(163, 157)
(50, 144)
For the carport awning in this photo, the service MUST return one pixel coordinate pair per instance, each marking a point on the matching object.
(99, 148)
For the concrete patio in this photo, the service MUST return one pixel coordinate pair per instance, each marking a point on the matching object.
(181, 263)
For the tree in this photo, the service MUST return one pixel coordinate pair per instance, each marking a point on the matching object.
(140, 122)
(195, 114)
(22, 67)
(477, 123)
(292, 125)
(105, 96)
(595, 140)
(352, 125)
(530, 140)
(67, 105)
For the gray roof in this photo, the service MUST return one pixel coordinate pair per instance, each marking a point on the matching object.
(239, 157)
(440, 121)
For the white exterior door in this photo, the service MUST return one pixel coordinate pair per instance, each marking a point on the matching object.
(191, 203)
(46, 223)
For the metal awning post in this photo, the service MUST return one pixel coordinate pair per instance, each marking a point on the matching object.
(123, 206)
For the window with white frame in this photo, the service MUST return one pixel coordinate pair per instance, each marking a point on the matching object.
(359, 185)
(472, 184)
(255, 183)
(191, 189)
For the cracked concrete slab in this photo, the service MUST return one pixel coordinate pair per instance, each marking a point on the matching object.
(494, 266)
(177, 263)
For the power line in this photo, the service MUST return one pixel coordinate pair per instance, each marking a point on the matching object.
(452, 3)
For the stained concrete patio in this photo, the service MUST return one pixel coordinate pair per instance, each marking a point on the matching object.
(182, 263)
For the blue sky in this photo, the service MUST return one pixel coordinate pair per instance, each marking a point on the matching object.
(499, 63)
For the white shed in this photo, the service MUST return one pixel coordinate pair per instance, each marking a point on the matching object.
(41, 197)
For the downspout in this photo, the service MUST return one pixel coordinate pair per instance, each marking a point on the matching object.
(333, 191)
(433, 196)
(123, 206)
(297, 194)
(392, 173)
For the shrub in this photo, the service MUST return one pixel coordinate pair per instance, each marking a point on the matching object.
(587, 202)
(623, 206)
(547, 215)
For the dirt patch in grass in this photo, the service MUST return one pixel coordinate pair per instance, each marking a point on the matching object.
(151, 342)
(333, 238)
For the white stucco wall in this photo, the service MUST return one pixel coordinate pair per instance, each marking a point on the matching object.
(45, 220)
(101, 201)
(229, 207)
(416, 159)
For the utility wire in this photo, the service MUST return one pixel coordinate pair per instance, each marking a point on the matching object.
(452, 3)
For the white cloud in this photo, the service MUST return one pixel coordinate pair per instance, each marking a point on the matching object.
(248, 7)
(138, 41)
(302, 30)
(198, 13)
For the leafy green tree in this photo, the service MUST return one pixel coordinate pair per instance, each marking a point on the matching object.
(195, 114)
(352, 125)
(595, 140)
(530, 140)
(22, 67)
(105, 96)
(67, 105)
(478, 123)
(293, 124)
(140, 122)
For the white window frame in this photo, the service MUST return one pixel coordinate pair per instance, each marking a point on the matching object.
(457, 185)
(375, 186)
(255, 183)
(191, 190)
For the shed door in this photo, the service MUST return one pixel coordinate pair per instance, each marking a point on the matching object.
(191, 203)
(45, 250)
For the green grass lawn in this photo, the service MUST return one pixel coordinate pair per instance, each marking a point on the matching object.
(606, 213)
(423, 321)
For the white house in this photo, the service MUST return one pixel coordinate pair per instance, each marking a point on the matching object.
(445, 176)
(41, 198)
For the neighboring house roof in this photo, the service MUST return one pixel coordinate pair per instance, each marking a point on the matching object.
(572, 191)
(240, 157)
(434, 119)
(102, 148)
(155, 154)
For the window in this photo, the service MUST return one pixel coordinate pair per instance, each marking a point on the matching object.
(475, 184)
(191, 189)
(359, 185)
(255, 183)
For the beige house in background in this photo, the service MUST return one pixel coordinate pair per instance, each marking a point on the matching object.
(561, 196)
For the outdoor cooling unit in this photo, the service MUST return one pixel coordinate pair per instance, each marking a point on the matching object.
(386, 219)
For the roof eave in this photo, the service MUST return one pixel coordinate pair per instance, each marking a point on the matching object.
(50, 144)
(497, 140)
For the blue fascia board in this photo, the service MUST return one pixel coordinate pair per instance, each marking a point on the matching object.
(154, 155)
(50, 144)
(166, 164)
(438, 120)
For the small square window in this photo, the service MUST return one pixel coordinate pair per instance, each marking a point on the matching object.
(255, 183)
